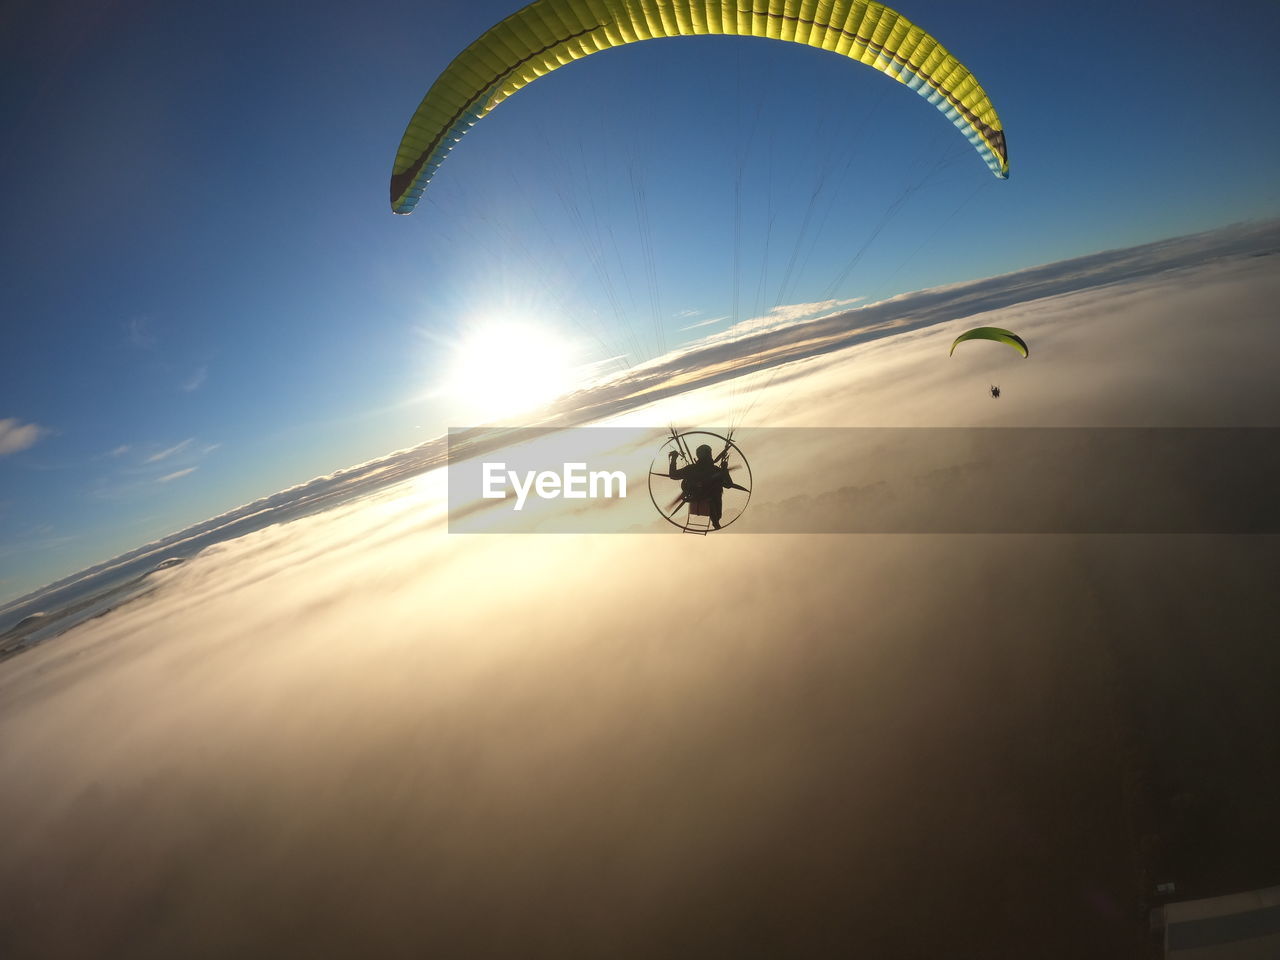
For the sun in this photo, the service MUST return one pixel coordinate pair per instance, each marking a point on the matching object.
(503, 368)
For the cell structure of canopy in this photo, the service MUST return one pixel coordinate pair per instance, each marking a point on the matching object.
(548, 34)
(998, 334)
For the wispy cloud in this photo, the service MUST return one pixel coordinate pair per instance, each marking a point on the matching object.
(196, 380)
(35, 540)
(140, 334)
(134, 476)
(779, 316)
(789, 313)
(704, 323)
(166, 454)
(783, 315)
(15, 436)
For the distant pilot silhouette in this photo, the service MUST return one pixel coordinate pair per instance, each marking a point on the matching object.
(995, 392)
(704, 481)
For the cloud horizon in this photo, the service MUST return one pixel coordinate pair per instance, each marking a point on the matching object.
(717, 362)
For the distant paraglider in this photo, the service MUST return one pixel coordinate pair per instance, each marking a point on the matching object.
(998, 334)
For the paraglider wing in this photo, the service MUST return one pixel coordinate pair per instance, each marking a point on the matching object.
(998, 334)
(550, 33)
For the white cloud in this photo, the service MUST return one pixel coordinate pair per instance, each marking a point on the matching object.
(196, 380)
(783, 315)
(140, 334)
(789, 313)
(175, 475)
(15, 436)
(166, 454)
(704, 323)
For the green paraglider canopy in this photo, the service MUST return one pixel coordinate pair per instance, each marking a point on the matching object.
(999, 334)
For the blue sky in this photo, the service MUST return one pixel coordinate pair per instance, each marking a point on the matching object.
(206, 298)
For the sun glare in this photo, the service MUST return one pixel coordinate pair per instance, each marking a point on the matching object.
(505, 368)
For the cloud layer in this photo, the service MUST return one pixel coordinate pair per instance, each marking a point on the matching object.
(346, 731)
(15, 435)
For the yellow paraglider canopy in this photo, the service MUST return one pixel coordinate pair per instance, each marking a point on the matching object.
(548, 34)
(998, 334)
